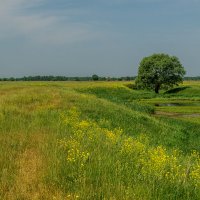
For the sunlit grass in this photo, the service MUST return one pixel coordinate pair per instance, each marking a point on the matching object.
(109, 164)
(96, 140)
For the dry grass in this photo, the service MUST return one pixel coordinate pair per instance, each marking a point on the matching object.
(28, 181)
(31, 165)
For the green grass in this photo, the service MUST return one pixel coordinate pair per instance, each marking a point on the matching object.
(46, 121)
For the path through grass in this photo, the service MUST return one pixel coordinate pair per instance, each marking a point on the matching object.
(109, 150)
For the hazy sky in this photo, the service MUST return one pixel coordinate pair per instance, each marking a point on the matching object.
(106, 37)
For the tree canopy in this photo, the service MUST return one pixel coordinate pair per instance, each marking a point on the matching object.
(159, 71)
(95, 77)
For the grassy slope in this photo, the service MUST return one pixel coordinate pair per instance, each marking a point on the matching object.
(122, 113)
(30, 125)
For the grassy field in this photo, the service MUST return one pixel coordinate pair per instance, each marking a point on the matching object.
(98, 141)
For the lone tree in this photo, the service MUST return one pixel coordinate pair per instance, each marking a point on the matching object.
(95, 77)
(159, 71)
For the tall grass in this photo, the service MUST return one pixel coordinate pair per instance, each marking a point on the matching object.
(97, 163)
(93, 141)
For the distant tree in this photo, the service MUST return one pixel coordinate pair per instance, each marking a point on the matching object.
(108, 78)
(196, 78)
(76, 78)
(95, 77)
(11, 79)
(128, 78)
(159, 71)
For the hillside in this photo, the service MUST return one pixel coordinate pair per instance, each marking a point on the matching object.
(98, 140)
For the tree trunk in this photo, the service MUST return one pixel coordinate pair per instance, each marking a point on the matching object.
(157, 88)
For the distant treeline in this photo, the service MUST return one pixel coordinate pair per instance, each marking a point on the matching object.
(65, 78)
(92, 78)
(196, 78)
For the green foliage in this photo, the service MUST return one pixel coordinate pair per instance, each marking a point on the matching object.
(159, 71)
(95, 77)
(67, 78)
(122, 96)
(95, 161)
(128, 109)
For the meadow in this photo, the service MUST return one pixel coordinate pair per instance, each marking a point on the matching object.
(99, 141)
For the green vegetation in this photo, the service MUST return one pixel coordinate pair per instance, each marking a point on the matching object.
(95, 77)
(98, 140)
(159, 71)
(66, 78)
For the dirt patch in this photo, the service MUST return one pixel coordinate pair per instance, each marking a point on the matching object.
(27, 183)
(170, 114)
(177, 104)
(191, 115)
(160, 113)
(31, 166)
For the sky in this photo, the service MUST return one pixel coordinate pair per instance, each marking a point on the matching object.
(104, 37)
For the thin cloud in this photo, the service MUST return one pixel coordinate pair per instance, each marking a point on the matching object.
(47, 27)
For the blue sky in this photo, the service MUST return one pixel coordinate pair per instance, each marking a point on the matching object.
(106, 37)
